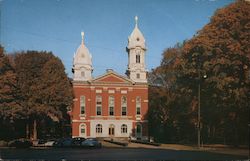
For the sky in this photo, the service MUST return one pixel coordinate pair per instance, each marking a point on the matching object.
(56, 25)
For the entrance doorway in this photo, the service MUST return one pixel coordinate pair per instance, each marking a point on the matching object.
(111, 130)
(138, 131)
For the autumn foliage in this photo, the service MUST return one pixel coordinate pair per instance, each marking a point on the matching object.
(217, 58)
(35, 92)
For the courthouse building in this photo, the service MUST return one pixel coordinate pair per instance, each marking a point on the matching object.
(111, 105)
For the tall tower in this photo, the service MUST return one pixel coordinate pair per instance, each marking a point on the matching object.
(82, 63)
(136, 55)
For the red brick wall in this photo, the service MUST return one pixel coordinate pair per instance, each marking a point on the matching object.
(90, 102)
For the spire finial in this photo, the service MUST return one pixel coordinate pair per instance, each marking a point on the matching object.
(82, 33)
(136, 21)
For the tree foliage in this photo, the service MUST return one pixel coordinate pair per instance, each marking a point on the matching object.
(220, 51)
(35, 91)
(45, 87)
(9, 93)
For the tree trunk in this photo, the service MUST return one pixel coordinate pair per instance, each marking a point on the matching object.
(34, 130)
(27, 130)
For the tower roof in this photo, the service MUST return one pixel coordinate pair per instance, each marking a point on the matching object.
(82, 55)
(136, 38)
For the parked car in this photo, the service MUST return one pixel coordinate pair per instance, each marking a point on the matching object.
(91, 143)
(77, 141)
(20, 143)
(50, 142)
(63, 142)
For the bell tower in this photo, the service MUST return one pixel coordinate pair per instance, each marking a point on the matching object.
(82, 63)
(136, 49)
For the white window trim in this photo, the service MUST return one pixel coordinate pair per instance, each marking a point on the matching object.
(80, 130)
(98, 105)
(82, 96)
(124, 133)
(98, 133)
(137, 106)
(109, 106)
(126, 106)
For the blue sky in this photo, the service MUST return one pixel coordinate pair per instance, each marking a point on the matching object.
(55, 25)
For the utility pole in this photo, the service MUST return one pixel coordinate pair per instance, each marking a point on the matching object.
(199, 112)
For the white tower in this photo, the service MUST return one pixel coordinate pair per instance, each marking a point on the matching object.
(82, 63)
(136, 55)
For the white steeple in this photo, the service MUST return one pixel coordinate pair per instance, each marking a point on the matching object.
(82, 63)
(136, 38)
(136, 55)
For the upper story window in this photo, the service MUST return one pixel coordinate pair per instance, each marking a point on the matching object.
(138, 76)
(138, 60)
(138, 105)
(82, 105)
(98, 105)
(124, 105)
(83, 74)
(111, 105)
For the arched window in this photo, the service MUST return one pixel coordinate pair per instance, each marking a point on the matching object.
(138, 58)
(82, 130)
(124, 105)
(138, 105)
(83, 74)
(124, 129)
(111, 105)
(98, 128)
(82, 105)
(138, 76)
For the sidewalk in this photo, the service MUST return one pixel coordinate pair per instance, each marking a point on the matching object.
(207, 148)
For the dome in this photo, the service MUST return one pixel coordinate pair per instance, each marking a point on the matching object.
(136, 39)
(82, 55)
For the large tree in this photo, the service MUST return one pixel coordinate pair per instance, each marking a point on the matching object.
(45, 87)
(10, 100)
(221, 51)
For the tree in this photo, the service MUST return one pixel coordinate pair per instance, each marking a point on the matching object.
(45, 87)
(10, 101)
(221, 52)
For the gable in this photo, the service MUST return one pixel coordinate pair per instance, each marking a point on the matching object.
(112, 78)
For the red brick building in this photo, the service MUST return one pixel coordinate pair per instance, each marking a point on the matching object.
(111, 105)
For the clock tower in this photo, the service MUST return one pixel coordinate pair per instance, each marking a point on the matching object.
(82, 63)
(136, 56)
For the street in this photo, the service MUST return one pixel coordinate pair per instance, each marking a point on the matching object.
(111, 154)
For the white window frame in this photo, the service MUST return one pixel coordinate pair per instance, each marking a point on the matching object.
(98, 129)
(98, 105)
(124, 105)
(82, 105)
(124, 129)
(138, 58)
(111, 126)
(112, 104)
(82, 126)
(138, 75)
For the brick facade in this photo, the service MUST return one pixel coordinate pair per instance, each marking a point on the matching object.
(116, 86)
